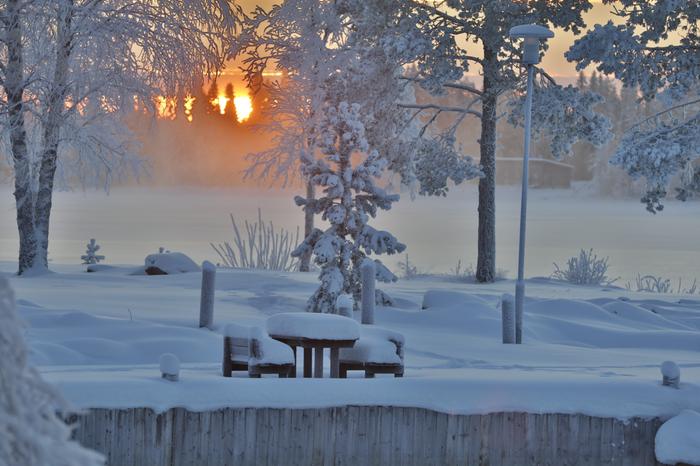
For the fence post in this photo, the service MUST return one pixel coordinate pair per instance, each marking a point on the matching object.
(508, 318)
(206, 305)
(367, 273)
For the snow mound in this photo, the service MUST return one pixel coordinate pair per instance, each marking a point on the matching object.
(169, 263)
(313, 325)
(442, 298)
(678, 439)
(569, 309)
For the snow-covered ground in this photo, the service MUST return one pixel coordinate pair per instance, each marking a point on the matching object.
(133, 222)
(98, 337)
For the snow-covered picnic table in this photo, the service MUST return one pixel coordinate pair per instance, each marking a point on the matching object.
(313, 331)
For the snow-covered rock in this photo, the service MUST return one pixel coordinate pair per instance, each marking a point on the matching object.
(678, 439)
(313, 325)
(169, 263)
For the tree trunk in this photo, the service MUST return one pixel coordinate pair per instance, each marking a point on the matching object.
(14, 89)
(305, 264)
(486, 262)
(52, 130)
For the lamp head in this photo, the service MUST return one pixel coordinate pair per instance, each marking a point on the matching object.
(532, 35)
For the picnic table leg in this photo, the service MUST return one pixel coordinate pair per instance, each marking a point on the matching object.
(307, 363)
(335, 363)
(293, 372)
(318, 362)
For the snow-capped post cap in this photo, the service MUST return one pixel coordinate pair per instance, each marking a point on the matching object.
(345, 305)
(533, 34)
(169, 367)
(671, 374)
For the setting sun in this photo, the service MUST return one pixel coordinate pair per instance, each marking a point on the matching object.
(244, 107)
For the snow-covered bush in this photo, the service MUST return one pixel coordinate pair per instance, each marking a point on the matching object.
(264, 247)
(31, 432)
(91, 257)
(586, 269)
(659, 284)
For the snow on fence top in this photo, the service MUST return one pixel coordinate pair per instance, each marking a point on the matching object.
(313, 326)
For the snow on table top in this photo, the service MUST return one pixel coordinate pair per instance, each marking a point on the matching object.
(313, 326)
(678, 439)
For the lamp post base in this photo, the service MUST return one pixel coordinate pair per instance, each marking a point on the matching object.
(519, 298)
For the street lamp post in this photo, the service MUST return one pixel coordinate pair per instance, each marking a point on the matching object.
(532, 35)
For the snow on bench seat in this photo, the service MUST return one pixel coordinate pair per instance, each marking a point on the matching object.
(268, 351)
(313, 326)
(375, 346)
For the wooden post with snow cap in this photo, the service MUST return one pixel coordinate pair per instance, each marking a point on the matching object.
(368, 275)
(508, 318)
(206, 306)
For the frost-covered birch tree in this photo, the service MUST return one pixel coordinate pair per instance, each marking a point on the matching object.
(31, 432)
(451, 25)
(71, 69)
(655, 49)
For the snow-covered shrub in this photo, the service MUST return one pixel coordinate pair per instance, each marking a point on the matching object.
(169, 367)
(31, 432)
(586, 269)
(659, 284)
(91, 257)
(264, 247)
(408, 269)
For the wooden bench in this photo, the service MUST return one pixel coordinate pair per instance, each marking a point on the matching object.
(250, 349)
(378, 351)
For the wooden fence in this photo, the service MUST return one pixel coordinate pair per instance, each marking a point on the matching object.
(362, 435)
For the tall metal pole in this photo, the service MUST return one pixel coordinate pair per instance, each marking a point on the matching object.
(520, 283)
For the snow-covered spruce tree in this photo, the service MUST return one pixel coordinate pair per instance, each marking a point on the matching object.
(451, 25)
(91, 256)
(350, 197)
(71, 70)
(31, 433)
(657, 50)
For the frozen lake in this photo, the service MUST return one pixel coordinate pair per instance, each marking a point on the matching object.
(130, 223)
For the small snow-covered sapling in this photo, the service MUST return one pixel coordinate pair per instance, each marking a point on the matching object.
(206, 305)
(170, 367)
(369, 299)
(508, 318)
(91, 257)
(345, 305)
(671, 374)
